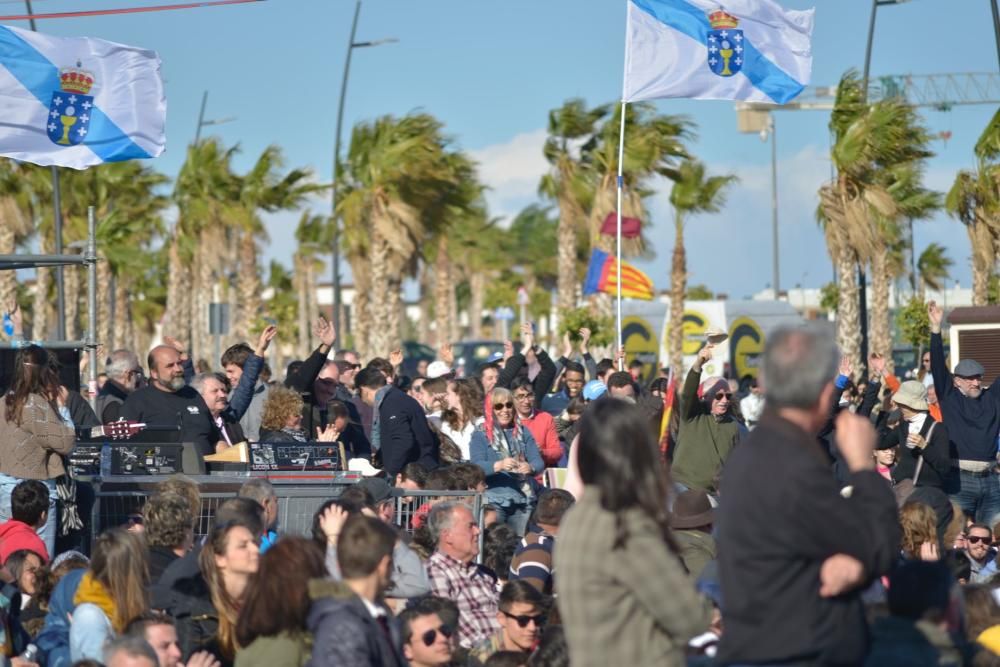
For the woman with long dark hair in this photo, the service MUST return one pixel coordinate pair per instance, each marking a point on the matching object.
(34, 433)
(464, 413)
(207, 606)
(272, 623)
(624, 595)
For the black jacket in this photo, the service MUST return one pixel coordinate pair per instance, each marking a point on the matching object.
(405, 436)
(344, 632)
(189, 602)
(781, 518)
(541, 385)
(936, 470)
(110, 399)
(973, 423)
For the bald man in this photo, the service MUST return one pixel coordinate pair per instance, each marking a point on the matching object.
(168, 400)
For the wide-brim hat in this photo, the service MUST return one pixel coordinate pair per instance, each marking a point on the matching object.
(692, 509)
(912, 394)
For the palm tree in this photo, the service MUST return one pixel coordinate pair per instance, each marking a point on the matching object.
(873, 148)
(571, 135)
(975, 200)
(15, 224)
(262, 189)
(653, 146)
(313, 235)
(934, 268)
(395, 169)
(693, 192)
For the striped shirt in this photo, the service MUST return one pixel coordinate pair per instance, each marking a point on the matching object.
(532, 560)
(473, 588)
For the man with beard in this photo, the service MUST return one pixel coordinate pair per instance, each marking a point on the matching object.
(168, 400)
(124, 377)
(973, 417)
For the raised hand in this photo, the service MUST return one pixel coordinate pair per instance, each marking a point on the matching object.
(332, 521)
(447, 355)
(324, 331)
(584, 340)
(527, 336)
(265, 338)
(846, 366)
(176, 344)
(936, 316)
(567, 345)
(396, 358)
(705, 353)
(328, 434)
(508, 350)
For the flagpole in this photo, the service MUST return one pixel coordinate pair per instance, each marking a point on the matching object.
(618, 235)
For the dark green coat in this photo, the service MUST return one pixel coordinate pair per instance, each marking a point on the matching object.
(703, 442)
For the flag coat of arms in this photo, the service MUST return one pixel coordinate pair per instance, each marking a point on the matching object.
(752, 50)
(76, 102)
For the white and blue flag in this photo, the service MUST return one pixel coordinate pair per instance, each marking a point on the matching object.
(77, 101)
(753, 50)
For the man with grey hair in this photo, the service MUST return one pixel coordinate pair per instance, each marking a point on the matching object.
(129, 651)
(794, 553)
(456, 576)
(263, 492)
(124, 376)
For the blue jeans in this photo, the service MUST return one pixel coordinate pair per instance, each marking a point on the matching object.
(979, 495)
(48, 531)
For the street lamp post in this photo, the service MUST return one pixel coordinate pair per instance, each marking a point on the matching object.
(335, 241)
(204, 123)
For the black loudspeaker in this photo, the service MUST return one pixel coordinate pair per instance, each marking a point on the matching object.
(69, 368)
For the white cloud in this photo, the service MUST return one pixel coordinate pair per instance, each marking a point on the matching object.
(512, 170)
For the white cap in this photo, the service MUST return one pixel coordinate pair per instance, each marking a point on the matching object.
(436, 369)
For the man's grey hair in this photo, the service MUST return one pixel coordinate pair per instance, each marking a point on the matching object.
(798, 364)
(441, 517)
(121, 362)
(135, 647)
(257, 489)
(199, 380)
(341, 355)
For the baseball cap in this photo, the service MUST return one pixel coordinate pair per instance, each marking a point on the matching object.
(378, 487)
(496, 356)
(437, 369)
(594, 389)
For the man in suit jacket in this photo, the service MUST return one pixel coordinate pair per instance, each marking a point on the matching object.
(348, 619)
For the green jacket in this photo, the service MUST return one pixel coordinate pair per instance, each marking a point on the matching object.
(632, 605)
(703, 442)
(697, 549)
(282, 650)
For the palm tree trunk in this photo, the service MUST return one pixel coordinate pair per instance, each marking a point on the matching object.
(566, 281)
(477, 297)
(983, 257)
(881, 333)
(8, 242)
(397, 314)
(848, 315)
(123, 328)
(426, 306)
(678, 282)
(71, 281)
(379, 306)
(454, 332)
(249, 288)
(300, 282)
(442, 285)
(41, 308)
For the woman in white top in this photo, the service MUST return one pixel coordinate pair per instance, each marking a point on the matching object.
(464, 413)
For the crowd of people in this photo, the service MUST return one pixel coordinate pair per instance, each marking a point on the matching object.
(540, 512)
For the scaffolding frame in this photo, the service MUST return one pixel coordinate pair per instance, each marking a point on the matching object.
(88, 259)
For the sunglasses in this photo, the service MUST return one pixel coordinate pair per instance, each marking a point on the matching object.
(723, 394)
(134, 520)
(976, 539)
(522, 621)
(430, 636)
(500, 406)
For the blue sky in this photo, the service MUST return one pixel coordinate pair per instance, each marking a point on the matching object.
(492, 71)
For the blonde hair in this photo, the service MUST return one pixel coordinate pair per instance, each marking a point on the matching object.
(118, 563)
(281, 404)
(919, 524)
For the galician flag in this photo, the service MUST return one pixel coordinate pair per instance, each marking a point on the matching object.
(753, 50)
(76, 102)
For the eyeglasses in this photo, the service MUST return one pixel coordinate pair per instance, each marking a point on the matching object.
(723, 394)
(522, 621)
(521, 397)
(134, 520)
(430, 636)
(976, 539)
(500, 406)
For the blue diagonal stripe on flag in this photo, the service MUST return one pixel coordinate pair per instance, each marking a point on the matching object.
(690, 20)
(41, 77)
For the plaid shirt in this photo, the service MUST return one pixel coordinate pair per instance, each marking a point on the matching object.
(471, 587)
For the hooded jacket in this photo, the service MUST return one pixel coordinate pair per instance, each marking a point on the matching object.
(16, 535)
(53, 640)
(344, 632)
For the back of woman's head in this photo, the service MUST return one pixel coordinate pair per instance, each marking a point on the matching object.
(981, 609)
(919, 523)
(34, 373)
(618, 456)
(278, 601)
(118, 563)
